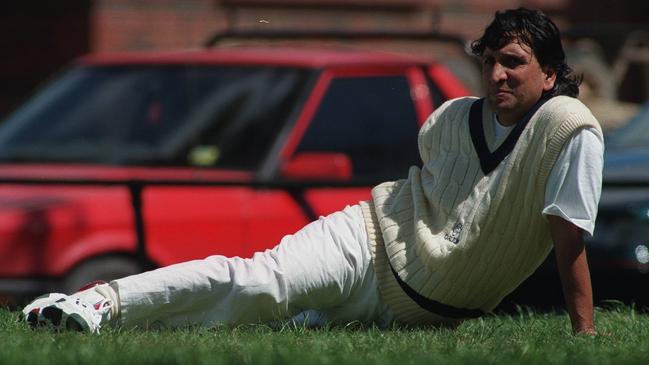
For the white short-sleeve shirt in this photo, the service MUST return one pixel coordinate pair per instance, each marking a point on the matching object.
(575, 183)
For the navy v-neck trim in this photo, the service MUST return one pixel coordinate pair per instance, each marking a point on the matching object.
(490, 160)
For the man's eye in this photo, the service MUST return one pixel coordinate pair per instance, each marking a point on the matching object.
(511, 62)
(488, 61)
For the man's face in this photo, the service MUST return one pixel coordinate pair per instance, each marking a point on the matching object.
(514, 80)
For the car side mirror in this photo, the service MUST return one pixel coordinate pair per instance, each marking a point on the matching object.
(326, 166)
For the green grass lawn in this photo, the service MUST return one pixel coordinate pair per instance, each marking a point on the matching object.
(524, 338)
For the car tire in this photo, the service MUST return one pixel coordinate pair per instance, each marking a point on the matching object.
(105, 268)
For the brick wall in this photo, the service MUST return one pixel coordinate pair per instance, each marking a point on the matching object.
(37, 38)
(163, 24)
(119, 25)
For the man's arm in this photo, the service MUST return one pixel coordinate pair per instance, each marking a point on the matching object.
(574, 273)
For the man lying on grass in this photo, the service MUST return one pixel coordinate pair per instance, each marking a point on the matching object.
(504, 178)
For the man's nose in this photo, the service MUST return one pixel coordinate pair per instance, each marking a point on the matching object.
(497, 73)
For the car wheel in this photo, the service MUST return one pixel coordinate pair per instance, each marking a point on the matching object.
(102, 268)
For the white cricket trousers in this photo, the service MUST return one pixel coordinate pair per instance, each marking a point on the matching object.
(322, 273)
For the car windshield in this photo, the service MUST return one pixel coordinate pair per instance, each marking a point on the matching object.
(153, 115)
(634, 136)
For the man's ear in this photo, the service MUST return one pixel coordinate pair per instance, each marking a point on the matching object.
(550, 78)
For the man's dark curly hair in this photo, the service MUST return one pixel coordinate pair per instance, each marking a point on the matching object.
(536, 30)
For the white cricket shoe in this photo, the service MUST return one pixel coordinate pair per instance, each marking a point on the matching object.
(86, 310)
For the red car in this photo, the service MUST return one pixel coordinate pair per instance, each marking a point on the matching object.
(132, 161)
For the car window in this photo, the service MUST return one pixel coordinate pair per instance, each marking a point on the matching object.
(172, 115)
(372, 120)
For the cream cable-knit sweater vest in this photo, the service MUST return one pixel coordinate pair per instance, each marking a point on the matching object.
(456, 235)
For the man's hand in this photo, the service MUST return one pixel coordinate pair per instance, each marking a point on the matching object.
(574, 273)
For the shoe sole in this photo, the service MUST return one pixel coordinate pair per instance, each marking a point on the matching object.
(54, 315)
(57, 312)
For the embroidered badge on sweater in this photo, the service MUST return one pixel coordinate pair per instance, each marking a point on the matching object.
(454, 236)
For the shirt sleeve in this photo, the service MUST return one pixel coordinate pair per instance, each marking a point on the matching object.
(574, 185)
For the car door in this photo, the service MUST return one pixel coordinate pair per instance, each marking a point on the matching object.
(368, 119)
(235, 115)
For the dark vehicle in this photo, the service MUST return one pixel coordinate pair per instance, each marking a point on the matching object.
(620, 244)
(133, 161)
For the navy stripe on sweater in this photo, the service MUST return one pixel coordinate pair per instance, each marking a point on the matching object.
(434, 306)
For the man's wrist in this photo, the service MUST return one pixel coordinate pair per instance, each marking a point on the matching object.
(585, 329)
